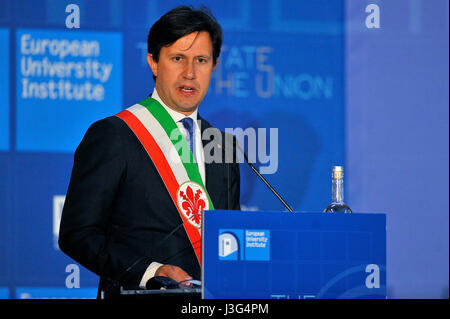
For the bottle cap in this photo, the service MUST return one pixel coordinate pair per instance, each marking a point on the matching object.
(338, 172)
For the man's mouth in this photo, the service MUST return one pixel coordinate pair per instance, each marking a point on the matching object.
(187, 90)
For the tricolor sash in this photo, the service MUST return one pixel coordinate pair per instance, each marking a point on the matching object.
(174, 161)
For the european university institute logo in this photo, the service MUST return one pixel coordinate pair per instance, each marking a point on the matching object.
(240, 244)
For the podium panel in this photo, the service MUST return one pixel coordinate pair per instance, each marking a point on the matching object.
(267, 255)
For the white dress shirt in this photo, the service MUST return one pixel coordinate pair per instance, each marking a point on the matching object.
(199, 155)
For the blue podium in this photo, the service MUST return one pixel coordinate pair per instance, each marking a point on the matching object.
(263, 255)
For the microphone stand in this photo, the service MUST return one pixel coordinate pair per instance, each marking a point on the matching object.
(264, 180)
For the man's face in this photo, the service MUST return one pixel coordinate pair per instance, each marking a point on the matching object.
(183, 71)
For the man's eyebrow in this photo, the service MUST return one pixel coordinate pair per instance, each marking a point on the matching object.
(176, 53)
(208, 56)
(201, 55)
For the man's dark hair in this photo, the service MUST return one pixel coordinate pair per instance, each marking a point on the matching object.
(181, 21)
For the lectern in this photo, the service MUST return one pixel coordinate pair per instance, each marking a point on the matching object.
(268, 254)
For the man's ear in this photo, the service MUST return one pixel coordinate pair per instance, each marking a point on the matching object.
(153, 64)
(214, 67)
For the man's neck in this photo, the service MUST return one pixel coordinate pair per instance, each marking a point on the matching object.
(174, 113)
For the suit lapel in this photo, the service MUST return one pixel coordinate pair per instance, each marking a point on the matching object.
(213, 171)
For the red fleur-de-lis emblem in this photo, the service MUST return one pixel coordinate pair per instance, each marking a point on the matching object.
(192, 201)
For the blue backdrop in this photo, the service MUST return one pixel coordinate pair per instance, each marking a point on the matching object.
(311, 73)
(397, 132)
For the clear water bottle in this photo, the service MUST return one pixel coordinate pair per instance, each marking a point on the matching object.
(337, 193)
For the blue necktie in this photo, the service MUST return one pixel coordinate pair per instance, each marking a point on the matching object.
(188, 124)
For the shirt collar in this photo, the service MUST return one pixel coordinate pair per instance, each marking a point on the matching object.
(176, 116)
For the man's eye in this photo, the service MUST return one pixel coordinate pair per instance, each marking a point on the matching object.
(177, 58)
(202, 60)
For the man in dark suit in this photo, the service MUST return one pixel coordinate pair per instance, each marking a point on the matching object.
(119, 218)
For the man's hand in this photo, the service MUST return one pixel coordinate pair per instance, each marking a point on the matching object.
(174, 272)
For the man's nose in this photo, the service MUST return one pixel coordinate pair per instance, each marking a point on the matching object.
(189, 70)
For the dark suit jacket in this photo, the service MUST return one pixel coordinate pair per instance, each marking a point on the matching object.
(117, 209)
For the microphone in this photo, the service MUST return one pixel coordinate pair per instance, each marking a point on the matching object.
(114, 283)
(264, 180)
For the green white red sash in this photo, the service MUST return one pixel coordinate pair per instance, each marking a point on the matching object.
(170, 153)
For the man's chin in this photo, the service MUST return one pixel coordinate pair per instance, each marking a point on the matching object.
(186, 109)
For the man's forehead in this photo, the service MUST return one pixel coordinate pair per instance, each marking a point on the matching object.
(186, 42)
